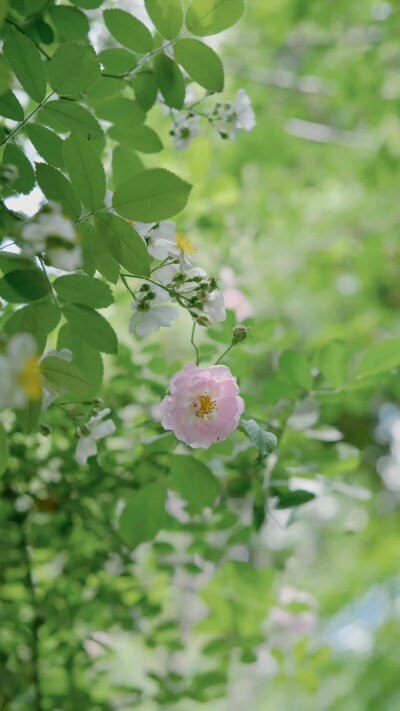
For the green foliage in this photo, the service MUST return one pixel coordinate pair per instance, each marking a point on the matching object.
(56, 187)
(209, 17)
(64, 375)
(155, 194)
(85, 171)
(170, 81)
(39, 319)
(194, 482)
(201, 63)
(3, 449)
(23, 285)
(381, 357)
(92, 327)
(70, 22)
(73, 117)
(25, 179)
(83, 290)
(167, 16)
(26, 63)
(128, 30)
(73, 68)
(143, 514)
(47, 143)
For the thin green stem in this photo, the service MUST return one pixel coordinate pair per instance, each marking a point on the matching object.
(224, 353)
(127, 285)
(42, 264)
(26, 119)
(193, 343)
(171, 291)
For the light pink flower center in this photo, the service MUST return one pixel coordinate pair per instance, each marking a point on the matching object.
(204, 406)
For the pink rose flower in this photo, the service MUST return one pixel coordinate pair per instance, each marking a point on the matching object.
(204, 406)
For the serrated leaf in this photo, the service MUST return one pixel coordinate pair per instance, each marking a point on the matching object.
(25, 180)
(64, 375)
(47, 143)
(128, 30)
(143, 515)
(56, 187)
(201, 63)
(39, 319)
(265, 442)
(85, 171)
(10, 106)
(86, 358)
(73, 117)
(26, 63)
(151, 196)
(92, 327)
(70, 22)
(125, 243)
(209, 17)
(170, 81)
(81, 289)
(381, 358)
(3, 449)
(167, 16)
(194, 481)
(73, 68)
(23, 285)
(332, 362)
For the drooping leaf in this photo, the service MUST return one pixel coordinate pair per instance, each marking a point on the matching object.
(167, 16)
(47, 143)
(64, 375)
(381, 358)
(85, 171)
(73, 68)
(264, 441)
(92, 327)
(128, 30)
(129, 248)
(73, 117)
(26, 63)
(71, 23)
(23, 285)
(209, 17)
(81, 289)
(194, 481)
(56, 187)
(170, 81)
(201, 63)
(151, 196)
(143, 515)
(25, 180)
(39, 319)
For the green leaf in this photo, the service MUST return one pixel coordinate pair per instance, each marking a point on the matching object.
(194, 482)
(86, 358)
(289, 499)
(96, 251)
(125, 164)
(167, 16)
(25, 61)
(88, 4)
(56, 187)
(73, 68)
(381, 357)
(141, 138)
(201, 63)
(332, 362)
(73, 117)
(145, 87)
(81, 289)
(151, 196)
(3, 449)
(117, 60)
(6, 76)
(128, 30)
(106, 88)
(25, 181)
(93, 328)
(209, 17)
(264, 441)
(3, 10)
(28, 416)
(121, 111)
(85, 171)
(295, 366)
(39, 319)
(23, 285)
(130, 249)
(10, 106)
(143, 515)
(9, 262)
(47, 143)
(70, 22)
(170, 81)
(64, 375)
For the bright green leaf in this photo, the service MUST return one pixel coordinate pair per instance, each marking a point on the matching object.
(264, 441)
(201, 63)
(381, 357)
(209, 17)
(125, 164)
(295, 366)
(39, 319)
(117, 60)
(128, 30)
(64, 375)
(121, 111)
(70, 22)
(332, 362)
(10, 106)
(141, 138)
(86, 358)
(96, 252)
(167, 16)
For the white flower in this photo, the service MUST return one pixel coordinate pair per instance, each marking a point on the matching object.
(243, 113)
(160, 231)
(185, 129)
(154, 317)
(65, 259)
(213, 305)
(55, 233)
(87, 446)
(51, 392)
(20, 378)
(165, 242)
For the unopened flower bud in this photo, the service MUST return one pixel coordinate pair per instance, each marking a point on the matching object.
(151, 296)
(223, 135)
(203, 320)
(144, 287)
(85, 431)
(97, 402)
(239, 333)
(45, 430)
(212, 282)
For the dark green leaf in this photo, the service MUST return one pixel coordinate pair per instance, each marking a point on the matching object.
(81, 289)
(47, 143)
(6, 76)
(70, 22)
(10, 106)
(56, 187)
(145, 86)
(288, 499)
(85, 171)
(167, 16)
(170, 81)
(96, 251)
(151, 196)
(26, 63)
(92, 327)
(143, 515)
(201, 63)
(29, 415)
(23, 285)
(130, 249)
(128, 30)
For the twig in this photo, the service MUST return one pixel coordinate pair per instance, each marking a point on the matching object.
(26, 119)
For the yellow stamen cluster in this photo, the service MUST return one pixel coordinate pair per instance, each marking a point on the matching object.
(30, 379)
(207, 406)
(185, 244)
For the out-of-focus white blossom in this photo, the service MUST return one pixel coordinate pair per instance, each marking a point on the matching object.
(90, 433)
(50, 391)
(185, 128)
(20, 378)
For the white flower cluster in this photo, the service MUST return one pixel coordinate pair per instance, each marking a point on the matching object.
(53, 233)
(227, 118)
(177, 279)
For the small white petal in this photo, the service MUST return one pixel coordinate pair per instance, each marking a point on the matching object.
(86, 447)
